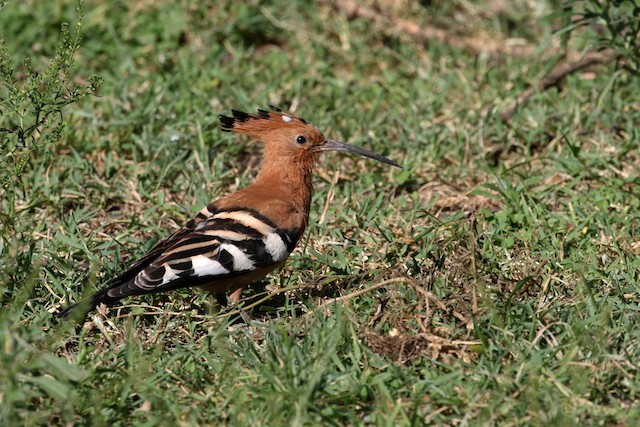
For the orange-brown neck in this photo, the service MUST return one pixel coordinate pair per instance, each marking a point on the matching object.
(281, 192)
(287, 179)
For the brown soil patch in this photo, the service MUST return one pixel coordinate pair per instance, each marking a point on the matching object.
(405, 348)
(455, 196)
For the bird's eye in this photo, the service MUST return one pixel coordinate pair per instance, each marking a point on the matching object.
(301, 139)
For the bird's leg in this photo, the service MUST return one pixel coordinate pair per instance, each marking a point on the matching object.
(234, 297)
(236, 291)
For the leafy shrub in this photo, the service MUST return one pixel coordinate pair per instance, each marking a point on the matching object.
(32, 101)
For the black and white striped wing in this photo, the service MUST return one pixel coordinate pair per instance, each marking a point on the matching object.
(227, 244)
(215, 245)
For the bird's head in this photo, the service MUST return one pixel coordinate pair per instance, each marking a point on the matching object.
(287, 137)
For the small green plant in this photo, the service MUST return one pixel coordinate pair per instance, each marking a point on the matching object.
(31, 103)
(616, 24)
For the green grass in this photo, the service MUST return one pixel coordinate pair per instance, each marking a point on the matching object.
(511, 250)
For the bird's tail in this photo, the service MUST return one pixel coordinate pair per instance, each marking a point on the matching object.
(73, 311)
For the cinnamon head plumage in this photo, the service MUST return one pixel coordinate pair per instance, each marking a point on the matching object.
(243, 236)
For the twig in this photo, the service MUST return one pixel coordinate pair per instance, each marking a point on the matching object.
(271, 294)
(366, 290)
(330, 196)
(556, 75)
(474, 269)
(98, 322)
(428, 296)
(360, 292)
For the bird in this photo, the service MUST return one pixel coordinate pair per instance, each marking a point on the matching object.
(243, 236)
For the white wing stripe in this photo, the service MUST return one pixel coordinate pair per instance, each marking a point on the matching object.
(203, 266)
(143, 282)
(241, 261)
(276, 247)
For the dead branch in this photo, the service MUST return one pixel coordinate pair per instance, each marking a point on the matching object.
(556, 75)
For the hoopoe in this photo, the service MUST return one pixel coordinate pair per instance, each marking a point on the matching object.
(243, 236)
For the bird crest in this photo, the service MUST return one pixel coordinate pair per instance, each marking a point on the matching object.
(263, 122)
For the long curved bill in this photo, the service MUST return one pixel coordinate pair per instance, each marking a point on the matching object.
(333, 145)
